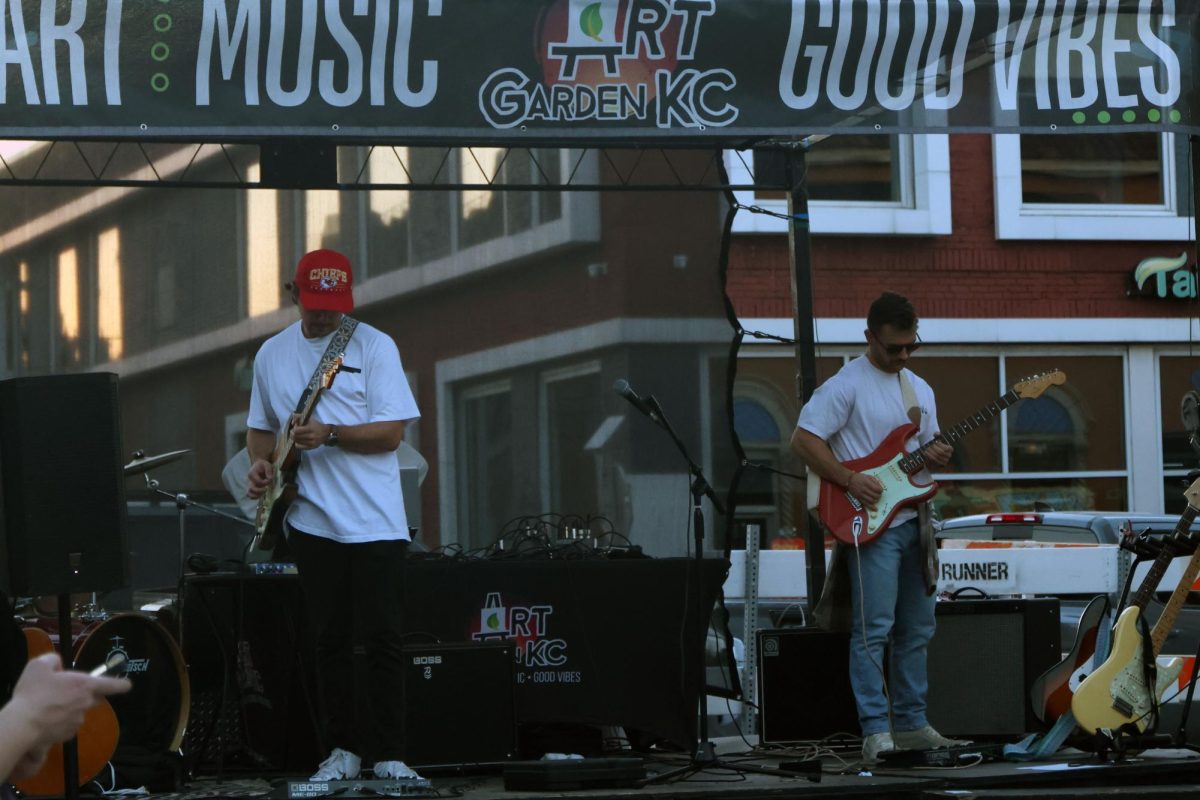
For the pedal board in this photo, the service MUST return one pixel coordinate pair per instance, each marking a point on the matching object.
(958, 756)
(395, 787)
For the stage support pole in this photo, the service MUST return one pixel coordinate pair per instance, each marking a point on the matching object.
(800, 250)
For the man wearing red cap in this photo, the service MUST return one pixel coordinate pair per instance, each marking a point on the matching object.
(346, 529)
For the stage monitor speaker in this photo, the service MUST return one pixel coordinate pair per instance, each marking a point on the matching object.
(459, 704)
(804, 685)
(983, 661)
(62, 485)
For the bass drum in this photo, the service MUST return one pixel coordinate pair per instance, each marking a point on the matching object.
(154, 713)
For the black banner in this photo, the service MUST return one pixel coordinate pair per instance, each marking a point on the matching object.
(524, 71)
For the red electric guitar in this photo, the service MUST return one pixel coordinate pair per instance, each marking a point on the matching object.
(849, 521)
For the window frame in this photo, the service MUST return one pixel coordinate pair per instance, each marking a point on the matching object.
(1016, 219)
(925, 207)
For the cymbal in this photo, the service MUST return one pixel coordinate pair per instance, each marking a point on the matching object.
(145, 463)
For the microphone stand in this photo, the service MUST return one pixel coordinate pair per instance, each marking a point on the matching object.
(182, 501)
(705, 755)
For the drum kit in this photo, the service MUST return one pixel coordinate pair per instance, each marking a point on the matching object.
(153, 716)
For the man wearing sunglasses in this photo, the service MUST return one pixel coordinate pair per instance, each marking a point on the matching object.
(891, 587)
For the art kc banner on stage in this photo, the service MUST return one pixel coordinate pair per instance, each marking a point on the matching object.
(667, 71)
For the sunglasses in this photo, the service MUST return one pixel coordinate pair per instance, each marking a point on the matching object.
(895, 349)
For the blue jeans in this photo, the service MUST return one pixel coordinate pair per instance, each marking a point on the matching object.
(887, 589)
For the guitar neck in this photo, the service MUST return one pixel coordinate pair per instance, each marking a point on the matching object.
(1163, 560)
(915, 461)
(1158, 634)
(304, 414)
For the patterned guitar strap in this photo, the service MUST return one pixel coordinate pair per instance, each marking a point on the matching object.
(335, 348)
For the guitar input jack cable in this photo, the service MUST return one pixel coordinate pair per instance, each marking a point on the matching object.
(862, 619)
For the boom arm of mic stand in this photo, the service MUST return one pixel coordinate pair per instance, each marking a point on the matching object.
(700, 486)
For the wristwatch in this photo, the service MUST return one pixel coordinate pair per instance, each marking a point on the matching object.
(332, 439)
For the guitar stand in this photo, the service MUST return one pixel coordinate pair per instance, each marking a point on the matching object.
(1122, 742)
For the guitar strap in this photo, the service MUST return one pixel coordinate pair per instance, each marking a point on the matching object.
(336, 347)
(910, 400)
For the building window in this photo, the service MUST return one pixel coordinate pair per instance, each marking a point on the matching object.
(1178, 377)
(572, 412)
(110, 325)
(765, 410)
(860, 184)
(1064, 449)
(1084, 186)
(264, 280)
(487, 482)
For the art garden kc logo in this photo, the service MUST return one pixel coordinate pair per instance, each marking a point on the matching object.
(540, 657)
(614, 61)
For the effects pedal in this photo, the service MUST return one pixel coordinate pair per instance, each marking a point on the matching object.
(274, 568)
(958, 756)
(394, 787)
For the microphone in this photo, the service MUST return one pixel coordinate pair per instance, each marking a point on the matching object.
(622, 387)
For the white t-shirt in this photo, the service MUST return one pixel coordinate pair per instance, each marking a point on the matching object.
(349, 497)
(857, 408)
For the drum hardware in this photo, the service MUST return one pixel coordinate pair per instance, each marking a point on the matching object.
(142, 462)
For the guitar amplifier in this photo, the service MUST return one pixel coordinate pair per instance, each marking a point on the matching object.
(459, 704)
(983, 661)
(804, 685)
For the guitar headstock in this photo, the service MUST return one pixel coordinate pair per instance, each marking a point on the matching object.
(1192, 493)
(1034, 385)
(329, 374)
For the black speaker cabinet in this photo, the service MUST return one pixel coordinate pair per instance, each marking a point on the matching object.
(62, 485)
(459, 704)
(252, 674)
(983, 661)
(804, 685)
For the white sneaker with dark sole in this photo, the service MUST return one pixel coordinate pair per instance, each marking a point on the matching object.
(342, 765)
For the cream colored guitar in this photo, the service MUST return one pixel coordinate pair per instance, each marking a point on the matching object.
(274, 503)
(1116, 693)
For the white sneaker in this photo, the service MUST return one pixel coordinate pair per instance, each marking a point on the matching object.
(390, 770)
(925, 739)
(342, 765)
(875, 744)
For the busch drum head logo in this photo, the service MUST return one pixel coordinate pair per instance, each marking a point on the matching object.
(614, 61)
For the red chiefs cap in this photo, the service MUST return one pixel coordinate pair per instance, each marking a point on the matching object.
(323, 279)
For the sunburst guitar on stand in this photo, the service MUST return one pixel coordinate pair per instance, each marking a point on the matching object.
(850, 521)
(1117, 693)
(274, 502)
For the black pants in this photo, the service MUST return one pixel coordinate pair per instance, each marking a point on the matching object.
(354, 596)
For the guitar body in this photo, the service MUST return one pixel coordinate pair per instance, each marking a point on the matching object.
(274, 503)
(1052, 691)
(847, 519)
(96, 741)
(1116, 693)
(273, 506)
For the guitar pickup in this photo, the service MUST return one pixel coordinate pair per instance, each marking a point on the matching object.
(1122, 707)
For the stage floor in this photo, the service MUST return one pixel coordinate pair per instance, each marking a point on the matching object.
(1152, 773)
